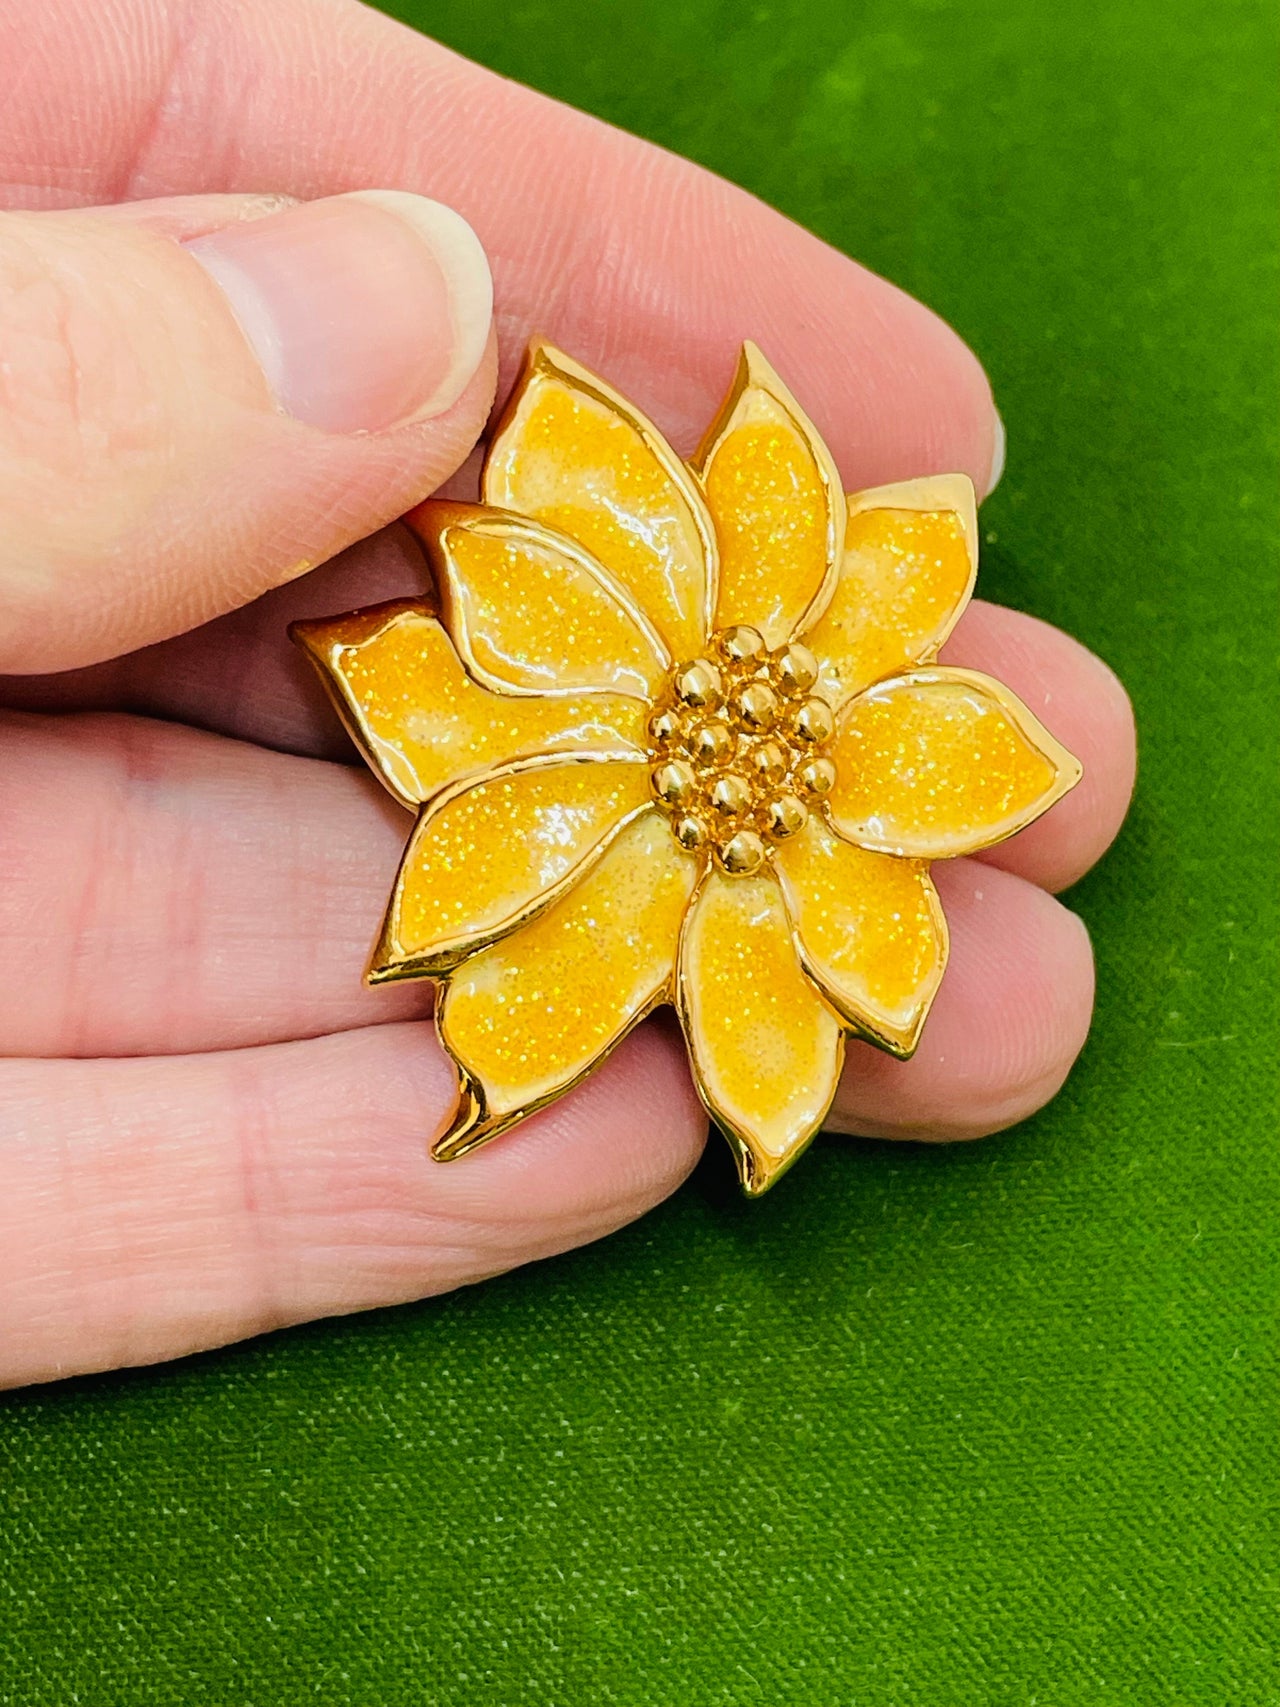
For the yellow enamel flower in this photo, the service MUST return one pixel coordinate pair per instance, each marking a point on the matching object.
(676, 733)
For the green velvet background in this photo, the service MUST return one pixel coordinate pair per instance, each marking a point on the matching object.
(980, 1427)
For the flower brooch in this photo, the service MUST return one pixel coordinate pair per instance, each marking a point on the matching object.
(675, 733)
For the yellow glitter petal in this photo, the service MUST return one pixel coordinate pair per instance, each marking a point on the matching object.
(530, 612)
(575, 454)
(870, 931)
(641, 784)
(485, 857)
(767, 1050)
(909, 563)
(778, 507)
(527, 1018)
(424, 724)
(938, 763)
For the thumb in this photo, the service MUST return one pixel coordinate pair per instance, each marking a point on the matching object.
(200, 399)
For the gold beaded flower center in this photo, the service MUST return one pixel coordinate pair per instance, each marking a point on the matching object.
(738, 739)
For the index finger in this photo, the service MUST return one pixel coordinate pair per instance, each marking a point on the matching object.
(643, 265)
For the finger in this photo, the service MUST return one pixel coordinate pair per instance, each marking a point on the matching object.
(167, 890)
(1082, 701)
(150, 1208)
(170, 891)
(1008, 1023)
(242, 677)
(333, 96)
(186, 423)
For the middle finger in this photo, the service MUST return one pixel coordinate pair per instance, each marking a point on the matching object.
(239, 676)
(173, 891)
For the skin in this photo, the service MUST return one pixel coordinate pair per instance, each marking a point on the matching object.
(207, 1127)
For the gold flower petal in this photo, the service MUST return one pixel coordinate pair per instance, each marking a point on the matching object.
(941, 762)
(870, 932)
(777, 502)
(527, 1018)
(910, 558)
(571, 452)
(530, 612)
(488, 855)
(423, 723)
(766, 1049)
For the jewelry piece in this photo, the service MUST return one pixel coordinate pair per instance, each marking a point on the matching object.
(676, 733)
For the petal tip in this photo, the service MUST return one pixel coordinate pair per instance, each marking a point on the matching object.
(471, 1124)
(758, 1170)
(319, 636)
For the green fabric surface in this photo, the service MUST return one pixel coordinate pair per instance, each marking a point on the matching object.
(986, 1426)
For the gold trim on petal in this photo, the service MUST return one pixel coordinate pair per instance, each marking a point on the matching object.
(907, 572)
(778, 561)
(938, 763)
(573, 452)
(929, 492)
(529, 1017)
(765, 1047)
(531, 612)
(869, 930)
(494, 852)
(424, 724)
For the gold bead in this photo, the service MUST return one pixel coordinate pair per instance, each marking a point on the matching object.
(711, 742)
(674, 783)
(785, 815)
(664, 726)
(814, 722)
(795, 668)
(768, 760)
(816, 777)
(740, 645)
(730, 794)
(757, 705)
(741, 854)
(689, 831)
(699, 684)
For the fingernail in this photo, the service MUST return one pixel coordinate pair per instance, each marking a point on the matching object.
(997, 453)
(365, 311)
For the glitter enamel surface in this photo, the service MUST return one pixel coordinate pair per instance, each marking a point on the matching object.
(870, 929)
(766, 1048)
(479, 861)
(767, 498)
(936, 764)
(426, 724)
(533, 619)
(531, 1014)
(778, 813)
(569, 459)
(905, 576)
(733, 743)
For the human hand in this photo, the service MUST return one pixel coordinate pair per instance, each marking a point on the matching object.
(207, 1126)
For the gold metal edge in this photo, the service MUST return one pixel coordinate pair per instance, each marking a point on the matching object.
(387, 962)
(931, 492)
(954, 492)
(307, 635)
(1066, 766)
(543, 357)
(472, 1124)
(902, 1044)
(352, 716)
(492, 523)
(757, 1170)
(754, 371)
